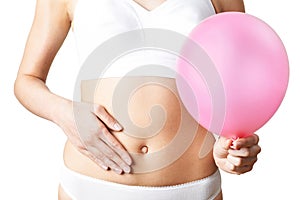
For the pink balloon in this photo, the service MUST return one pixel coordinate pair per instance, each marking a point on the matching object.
(242, 82)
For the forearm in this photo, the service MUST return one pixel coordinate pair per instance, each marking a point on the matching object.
(35, 96)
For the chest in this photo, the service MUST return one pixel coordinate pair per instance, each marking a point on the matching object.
(140, 13)
(149, 5)
(96, 21)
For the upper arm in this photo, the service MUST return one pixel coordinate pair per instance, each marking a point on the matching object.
(229, 5)
(50, 27)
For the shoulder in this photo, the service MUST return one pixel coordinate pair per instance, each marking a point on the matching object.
(228, 5)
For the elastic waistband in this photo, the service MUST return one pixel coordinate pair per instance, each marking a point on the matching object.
(82, 187)
(70, 172)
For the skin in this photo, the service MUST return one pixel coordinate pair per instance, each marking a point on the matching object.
(52, 22)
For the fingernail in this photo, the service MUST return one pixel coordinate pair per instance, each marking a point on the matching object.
(234, 147)
(234, 144)
(118, 170)
(104, 167)
(126, 169)
(117, 126)
(128, 161)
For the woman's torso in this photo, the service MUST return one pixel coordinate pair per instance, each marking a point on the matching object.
(178, 149)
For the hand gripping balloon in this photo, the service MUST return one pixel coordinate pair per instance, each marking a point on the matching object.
(250, 77)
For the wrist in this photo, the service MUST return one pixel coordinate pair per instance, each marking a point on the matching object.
(62, 111)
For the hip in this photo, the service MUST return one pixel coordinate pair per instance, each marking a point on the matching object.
(159, 168)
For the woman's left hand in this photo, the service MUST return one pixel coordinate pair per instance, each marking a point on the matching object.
(238, 156)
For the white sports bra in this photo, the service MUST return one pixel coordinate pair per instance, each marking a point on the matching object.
(96, 21)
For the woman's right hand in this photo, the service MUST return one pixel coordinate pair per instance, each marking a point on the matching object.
(89, 132)
(88, 126)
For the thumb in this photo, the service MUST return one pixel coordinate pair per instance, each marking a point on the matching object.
(222, 146)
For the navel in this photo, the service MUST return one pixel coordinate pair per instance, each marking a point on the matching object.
(144, 149)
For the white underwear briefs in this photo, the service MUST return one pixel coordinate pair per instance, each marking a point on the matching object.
(82, 187)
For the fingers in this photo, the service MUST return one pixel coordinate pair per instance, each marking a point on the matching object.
(106, 118)
(246, 142)
(93, 158)
(107, 149)
(240, 162)
(106, 136)
(94, 140)
(239, 165)
(231, 168)
(115, 155)
(104, 156)
(238, 156)
(110, 140)
(112, 156)
(222, 146)
(101, 159)
(245, 152)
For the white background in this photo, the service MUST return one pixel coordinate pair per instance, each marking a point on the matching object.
(31, 148)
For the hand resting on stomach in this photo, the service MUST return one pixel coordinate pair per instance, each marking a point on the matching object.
(166, 144)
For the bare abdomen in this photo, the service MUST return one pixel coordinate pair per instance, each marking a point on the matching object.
(167, 145)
